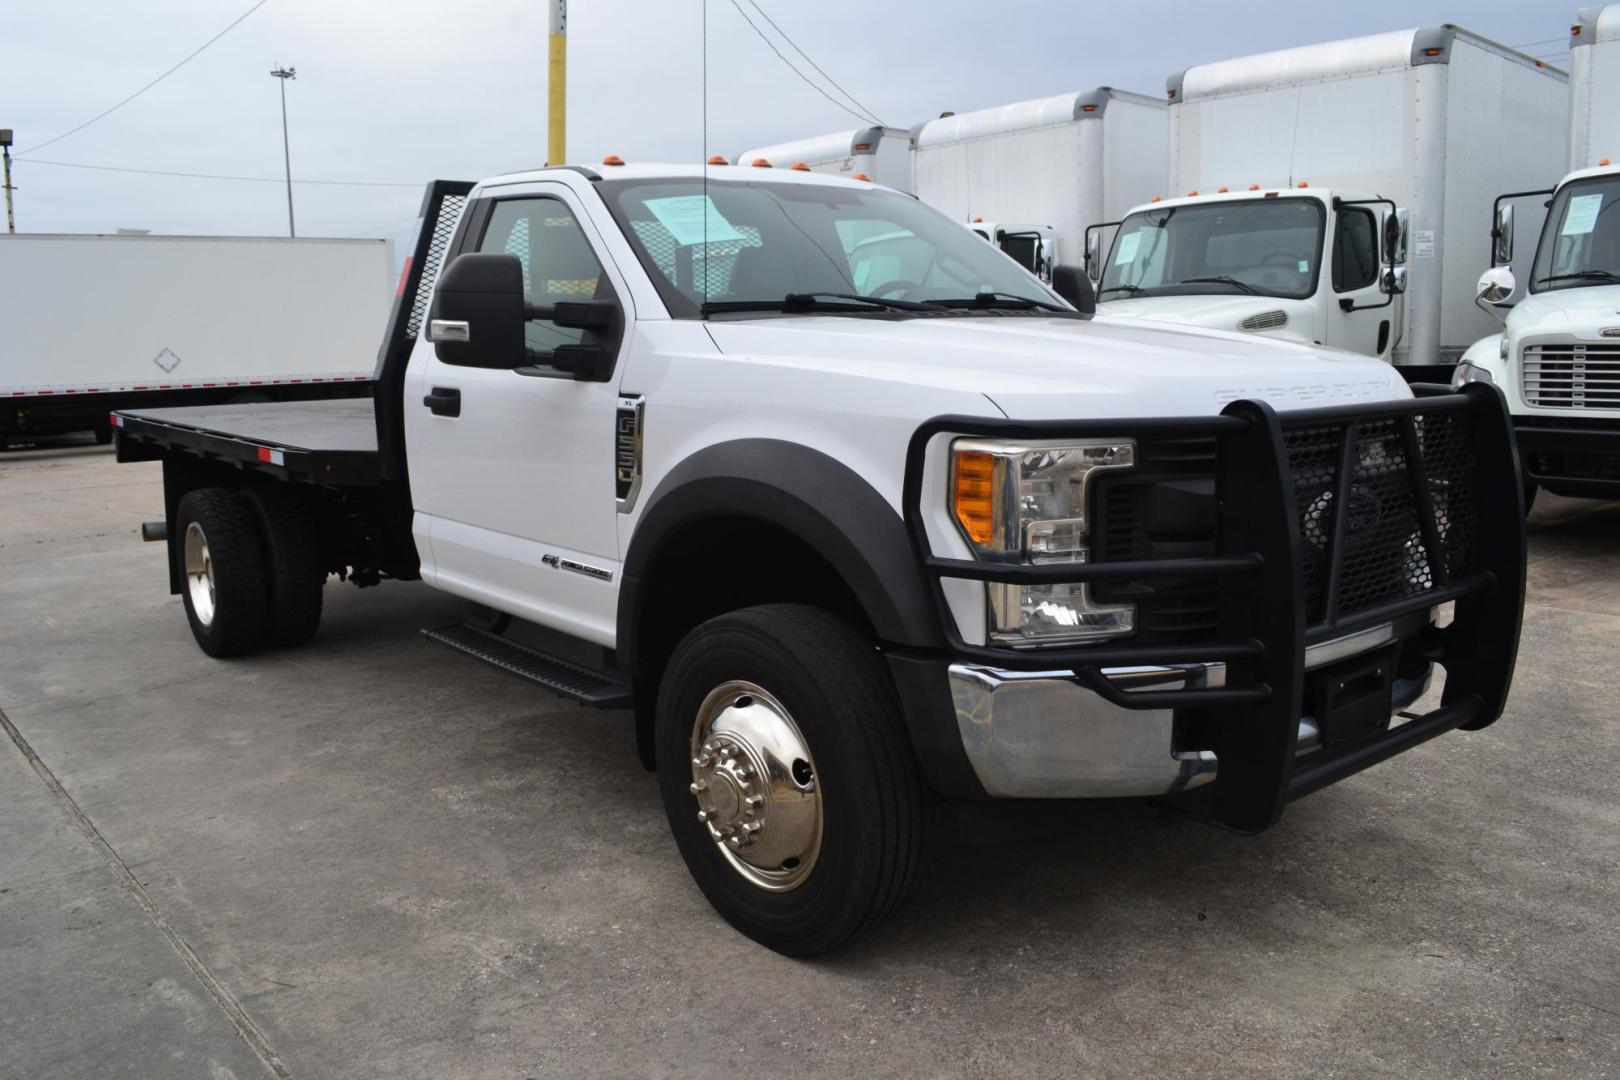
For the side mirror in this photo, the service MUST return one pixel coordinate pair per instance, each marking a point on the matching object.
(584, 314)
(1395, 237)
(1502, 236)
(1071, 283)
(1393, 282)
(586, 363)
(1496, 286)
(1094, 256)
(477, 315)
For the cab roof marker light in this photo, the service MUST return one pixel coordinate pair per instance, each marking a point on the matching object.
(1222, 190)
(861, 176)
(1254, 187)
(1157, 198)
(1603, 161)
(761, 163)
(799, 166)
(719, 159)
(863, 147)
(613, 159)
(1304, 184)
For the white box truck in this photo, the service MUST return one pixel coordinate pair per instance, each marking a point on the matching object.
(1557, 358)
(1052, 165)
(1286, 165)
(881, 154)
(94, 323)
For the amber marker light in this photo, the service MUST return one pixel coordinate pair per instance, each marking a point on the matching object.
(973, 486)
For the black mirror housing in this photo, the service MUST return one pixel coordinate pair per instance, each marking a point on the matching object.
(586, 363)
(477, 315)
(1071, 283)
(585, 314)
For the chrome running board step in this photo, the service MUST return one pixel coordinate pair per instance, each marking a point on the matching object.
(571, 680)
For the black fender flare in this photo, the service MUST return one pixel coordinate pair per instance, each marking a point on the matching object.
(809, 493)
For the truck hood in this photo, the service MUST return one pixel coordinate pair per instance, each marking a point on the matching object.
(1039, 368)
(1581, 313)
(1223, 312)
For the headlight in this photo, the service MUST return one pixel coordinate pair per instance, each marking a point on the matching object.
(1466, 373)
(1023, 502)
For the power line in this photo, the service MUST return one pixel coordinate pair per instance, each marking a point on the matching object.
(1543, 41)
(812, 63)
(148, 86)
(218, 176)
(808, 81)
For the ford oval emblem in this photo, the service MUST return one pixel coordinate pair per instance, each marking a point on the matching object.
(1610, 331)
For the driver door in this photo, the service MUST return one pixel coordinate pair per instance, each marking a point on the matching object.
(514, 489)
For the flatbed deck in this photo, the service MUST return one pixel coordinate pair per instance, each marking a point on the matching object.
(323, 442)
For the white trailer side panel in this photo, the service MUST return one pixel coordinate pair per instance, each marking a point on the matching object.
(882, 154)
(1503, 133)
(1135, 155)
(1594, 83)
(112, 313)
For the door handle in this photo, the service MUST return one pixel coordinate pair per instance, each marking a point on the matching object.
(444, 401)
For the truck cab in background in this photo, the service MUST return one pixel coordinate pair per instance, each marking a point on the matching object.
(1300, 155)
(1034, 247)
(1557, 357)
(1310, 265)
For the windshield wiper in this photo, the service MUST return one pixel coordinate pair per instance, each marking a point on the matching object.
(1582, 275)
(1004, 301)
(1223, 279)
(1121, 288)
(794, 303)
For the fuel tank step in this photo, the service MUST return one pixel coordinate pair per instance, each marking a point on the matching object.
(598, 688)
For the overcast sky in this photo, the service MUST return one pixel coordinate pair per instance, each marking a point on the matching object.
(404, 91)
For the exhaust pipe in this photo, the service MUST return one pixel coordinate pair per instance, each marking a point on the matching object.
(154, 531)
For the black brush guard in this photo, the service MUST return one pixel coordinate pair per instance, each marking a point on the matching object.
(1290, 573)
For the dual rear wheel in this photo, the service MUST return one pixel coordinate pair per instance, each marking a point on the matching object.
(250, 568)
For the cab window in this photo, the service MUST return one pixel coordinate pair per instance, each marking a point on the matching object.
(558, 263)
(1355, 249)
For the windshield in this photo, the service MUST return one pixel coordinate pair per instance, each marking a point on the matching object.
(1264, 246)
(1580, 243)
(762, 241)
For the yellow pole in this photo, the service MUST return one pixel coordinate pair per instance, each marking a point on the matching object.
(557, 116)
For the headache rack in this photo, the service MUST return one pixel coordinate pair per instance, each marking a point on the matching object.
(1326, 522)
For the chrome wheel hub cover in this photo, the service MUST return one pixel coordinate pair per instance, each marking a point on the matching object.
(756, 786)
(199, 574)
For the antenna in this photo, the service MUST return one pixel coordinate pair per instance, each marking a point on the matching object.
(705, 155)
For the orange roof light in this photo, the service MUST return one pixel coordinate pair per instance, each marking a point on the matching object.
(1603, 161)
(1304, 183)
(863, 148)
(761, 163)
(1190, 194)
(613, 159)
(1088, 108)
(1222, 190)
(719, 159)
(973, 494)
(1431, 52)
(799, 166)
(1254, 187)
(862, 176)
(977, 219)
(1157, 198)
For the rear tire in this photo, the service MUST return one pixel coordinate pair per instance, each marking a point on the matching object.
(1530, 489)
(295, 571)
(220, 559)
(871, 813)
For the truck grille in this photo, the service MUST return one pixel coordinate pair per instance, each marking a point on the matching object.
(1386, 557)
(1571, 376)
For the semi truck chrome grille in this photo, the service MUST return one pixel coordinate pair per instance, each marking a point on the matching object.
(1571, 376)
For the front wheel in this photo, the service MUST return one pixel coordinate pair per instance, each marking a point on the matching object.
(787, 776)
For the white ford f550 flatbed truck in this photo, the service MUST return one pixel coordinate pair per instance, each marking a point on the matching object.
(854, 533)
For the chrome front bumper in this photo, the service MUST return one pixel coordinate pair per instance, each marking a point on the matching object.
(1042, 735)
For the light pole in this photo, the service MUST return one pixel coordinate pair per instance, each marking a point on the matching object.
(5, 154)
(286, 154)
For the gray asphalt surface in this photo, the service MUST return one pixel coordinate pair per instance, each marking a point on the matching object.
(371, 857)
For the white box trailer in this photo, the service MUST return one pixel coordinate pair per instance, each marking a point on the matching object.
(1435, 122)
(1064, 162)
(1594, 87)
(93, 323)
(881, 154)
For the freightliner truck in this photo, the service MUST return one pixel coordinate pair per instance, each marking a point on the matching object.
(1286, 166)
(1557, 358)
(847, 552)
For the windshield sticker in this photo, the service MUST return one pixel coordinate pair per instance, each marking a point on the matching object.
(1581, 215)
(1304, 266)
(1127, 248)
(684, 217)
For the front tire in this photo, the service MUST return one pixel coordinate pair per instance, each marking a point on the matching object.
(221, 567)
(779, 725)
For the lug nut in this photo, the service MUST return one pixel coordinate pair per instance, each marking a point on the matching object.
(751, 827)
(704, 815)
(754, 800)
(698, 787)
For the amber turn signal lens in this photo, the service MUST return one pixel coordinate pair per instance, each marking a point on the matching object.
(973, 485)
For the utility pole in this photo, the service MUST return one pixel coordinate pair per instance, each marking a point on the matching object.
(286, 154)
(5, 154)
(557, 117)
